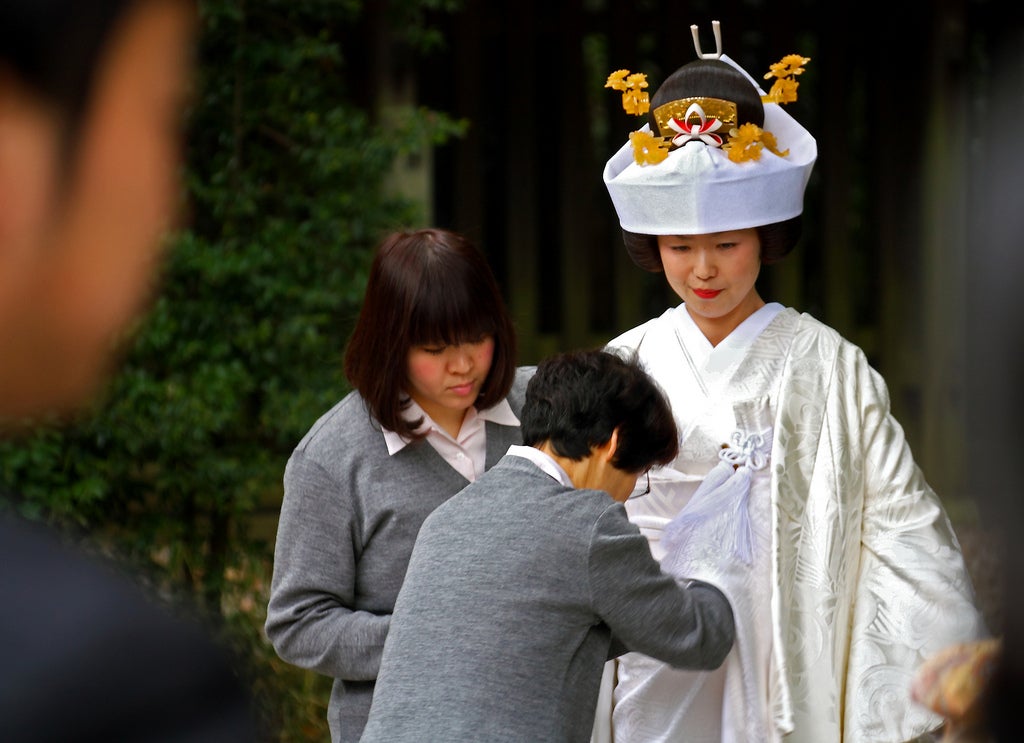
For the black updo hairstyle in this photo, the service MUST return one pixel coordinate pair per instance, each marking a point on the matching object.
(713, 78)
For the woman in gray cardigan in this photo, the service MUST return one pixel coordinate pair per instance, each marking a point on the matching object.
(435, 403)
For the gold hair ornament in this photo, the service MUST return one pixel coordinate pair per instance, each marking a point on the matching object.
(695, 118)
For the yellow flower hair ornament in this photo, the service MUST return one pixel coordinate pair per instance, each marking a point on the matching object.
(746, 143)
(785, 71)
(648, 149)
(635, 100)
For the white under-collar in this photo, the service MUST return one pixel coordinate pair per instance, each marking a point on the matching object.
(733, 346)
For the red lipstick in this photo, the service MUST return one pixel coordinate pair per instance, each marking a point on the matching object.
(707, 293)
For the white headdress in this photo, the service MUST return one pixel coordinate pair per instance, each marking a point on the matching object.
(704, 171)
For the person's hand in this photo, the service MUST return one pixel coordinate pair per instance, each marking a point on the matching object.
(953, 683)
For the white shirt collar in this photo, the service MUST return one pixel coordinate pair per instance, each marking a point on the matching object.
(544, 461)
(501, 414)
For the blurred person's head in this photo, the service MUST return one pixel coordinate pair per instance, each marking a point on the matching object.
(91, 101)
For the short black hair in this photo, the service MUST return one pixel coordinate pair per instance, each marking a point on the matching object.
(576, 399)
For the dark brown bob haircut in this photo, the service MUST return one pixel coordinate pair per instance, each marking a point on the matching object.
(713, 78)
(426, 287)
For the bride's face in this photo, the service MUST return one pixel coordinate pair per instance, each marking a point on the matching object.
(715, 275)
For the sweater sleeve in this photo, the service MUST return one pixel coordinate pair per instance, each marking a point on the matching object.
(688, 625)
(310, 617)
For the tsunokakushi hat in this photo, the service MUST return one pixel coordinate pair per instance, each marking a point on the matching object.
(715, 155)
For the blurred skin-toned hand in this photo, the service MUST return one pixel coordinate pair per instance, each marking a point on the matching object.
(81, 227)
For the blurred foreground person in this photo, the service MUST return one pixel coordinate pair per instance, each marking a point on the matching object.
(91, 100)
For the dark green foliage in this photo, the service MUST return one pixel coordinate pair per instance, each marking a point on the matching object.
(241, 350)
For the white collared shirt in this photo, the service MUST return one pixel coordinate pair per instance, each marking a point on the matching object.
(544, 461)
(466, 453)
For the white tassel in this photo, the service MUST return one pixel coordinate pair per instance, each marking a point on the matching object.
(718, 516)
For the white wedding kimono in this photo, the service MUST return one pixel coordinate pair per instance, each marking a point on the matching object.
(838, 558)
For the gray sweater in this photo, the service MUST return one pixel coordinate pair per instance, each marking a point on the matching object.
(506, 617)
(348, 522)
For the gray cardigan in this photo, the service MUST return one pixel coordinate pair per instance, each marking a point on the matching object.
(506, 617)
(348, 522)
